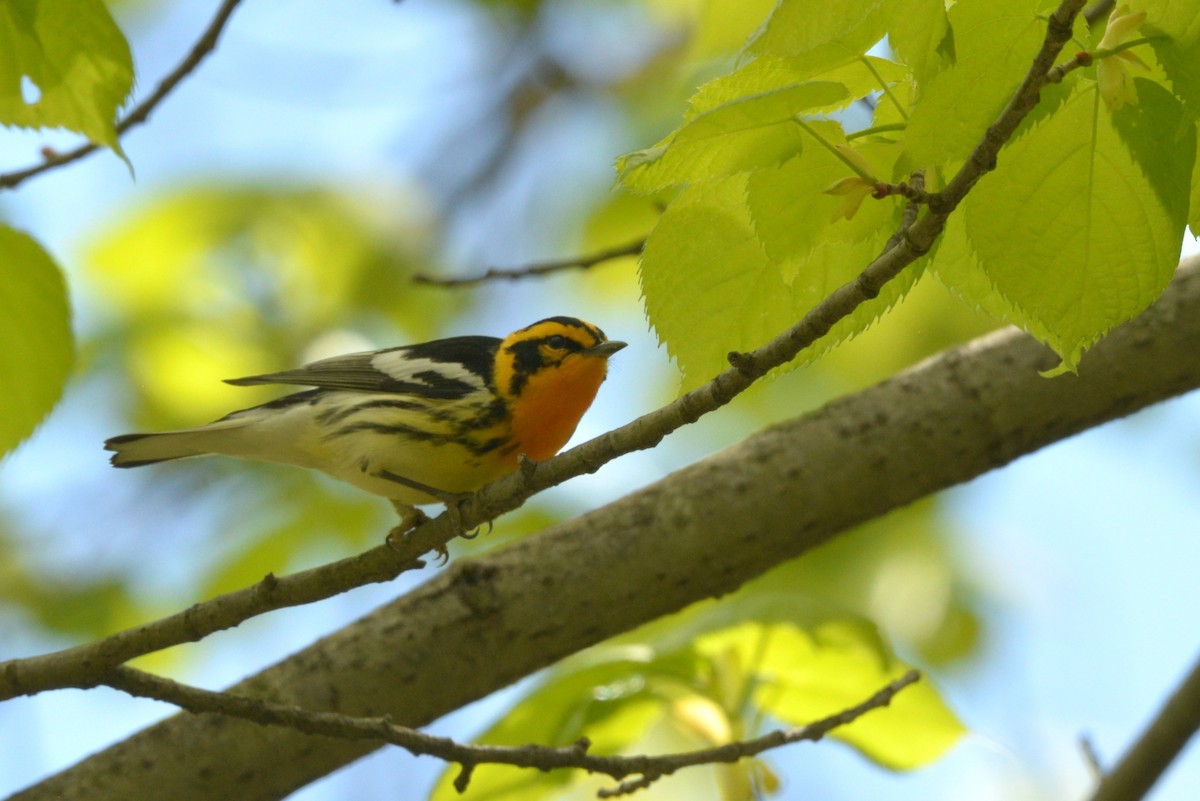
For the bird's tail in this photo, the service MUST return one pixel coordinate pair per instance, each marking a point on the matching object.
(135, 450)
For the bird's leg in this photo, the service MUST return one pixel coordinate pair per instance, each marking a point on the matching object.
(411, 517)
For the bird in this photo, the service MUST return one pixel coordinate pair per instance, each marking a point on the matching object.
(416, 424)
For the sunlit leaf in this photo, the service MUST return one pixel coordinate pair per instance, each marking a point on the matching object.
(753, 131)
(916, 30)
(64, 63)
(808, 675)
(1080, 259)
(818, 35)
(793, 214)
(994, 43)
(710, 287)
(36, 345)
(766, 74)
(708, 283)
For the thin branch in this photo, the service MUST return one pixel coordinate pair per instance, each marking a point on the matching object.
(541, 268)
(917, 182)
(983, 158)
(914, 193)
(330, 724)
(204, 45)
(1081, 59)
(83, 665)
(1091, 757)
(1158, 745)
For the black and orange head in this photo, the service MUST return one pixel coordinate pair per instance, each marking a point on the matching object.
(548, 373)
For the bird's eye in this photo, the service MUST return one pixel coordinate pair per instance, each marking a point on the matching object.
(558, 342)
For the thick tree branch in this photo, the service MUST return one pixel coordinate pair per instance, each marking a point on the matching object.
(381, 730)
(699, 533)
(1157, 747)
(204, 45)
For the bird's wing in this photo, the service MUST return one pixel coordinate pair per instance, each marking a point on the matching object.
(445, 368)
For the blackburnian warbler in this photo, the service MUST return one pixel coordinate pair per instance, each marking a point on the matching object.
(416, 424)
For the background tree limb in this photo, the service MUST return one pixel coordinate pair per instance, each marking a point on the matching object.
(1156, 747)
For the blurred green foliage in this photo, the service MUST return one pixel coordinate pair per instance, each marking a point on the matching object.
(218, 282)
(36, 344)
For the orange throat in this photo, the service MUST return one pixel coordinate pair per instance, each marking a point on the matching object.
(551, 404)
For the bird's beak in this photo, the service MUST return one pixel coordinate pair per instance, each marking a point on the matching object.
(604, 349)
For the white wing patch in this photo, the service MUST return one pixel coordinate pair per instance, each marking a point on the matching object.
(399, 365)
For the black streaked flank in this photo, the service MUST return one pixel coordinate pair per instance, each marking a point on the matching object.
(308, 396)
(417, 435)
(337, 415)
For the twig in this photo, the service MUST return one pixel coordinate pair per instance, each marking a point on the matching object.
(82, 666)
(1092, 757)
(1157, 747)
(917, 182)
(541, 268)
(1081, 59)
(915, 194)
(204, 45)
(330, 724)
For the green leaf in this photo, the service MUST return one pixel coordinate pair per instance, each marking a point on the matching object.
(708, 284)
(36, 346)
(767, 74)
(808, 675)
(994, 43)
(957, 266)
(915, 31)
(830, 265)
(1081, 227)
(817, 35)
(1176, 18)
(1194, 207)
(754, 131)
(710, 287)
(793, 214)
(76, 58)
(1180, 61)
